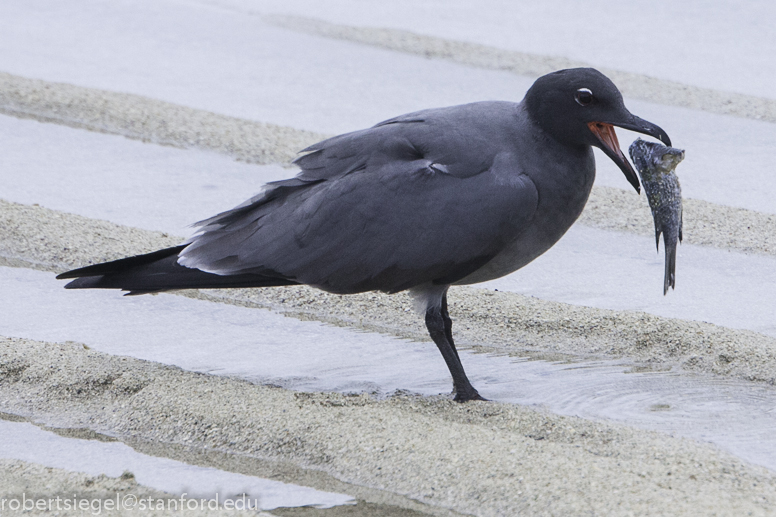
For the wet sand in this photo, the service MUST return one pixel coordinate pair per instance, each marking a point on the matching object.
(485, 458)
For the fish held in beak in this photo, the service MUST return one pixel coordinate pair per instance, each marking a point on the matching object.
(607, 138)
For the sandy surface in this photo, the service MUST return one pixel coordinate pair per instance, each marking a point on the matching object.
(485, 458)
(150, 120)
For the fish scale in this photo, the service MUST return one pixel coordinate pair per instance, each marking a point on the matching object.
(656, 165)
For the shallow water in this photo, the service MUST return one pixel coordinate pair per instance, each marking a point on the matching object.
(25, 441)
(266, 347)
(738, 416)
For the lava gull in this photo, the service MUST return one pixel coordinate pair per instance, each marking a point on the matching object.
(420, 202)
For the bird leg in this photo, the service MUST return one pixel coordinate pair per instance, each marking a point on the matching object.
(448, 326)
(440, 327)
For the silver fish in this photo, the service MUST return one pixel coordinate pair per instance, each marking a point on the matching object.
(656, 164)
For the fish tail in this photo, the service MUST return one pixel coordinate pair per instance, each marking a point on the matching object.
(669, 278)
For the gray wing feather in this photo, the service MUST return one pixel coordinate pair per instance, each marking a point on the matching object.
(374, 210)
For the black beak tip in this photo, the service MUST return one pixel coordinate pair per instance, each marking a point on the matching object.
(638, 189)
(633, 180)
(657, 132)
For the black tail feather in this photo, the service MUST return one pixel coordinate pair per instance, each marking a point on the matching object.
(121, 265)
(160, 271)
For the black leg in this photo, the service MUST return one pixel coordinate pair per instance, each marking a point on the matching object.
(440, 328)
(448, 325)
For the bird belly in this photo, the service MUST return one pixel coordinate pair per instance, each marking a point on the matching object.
(515, 255)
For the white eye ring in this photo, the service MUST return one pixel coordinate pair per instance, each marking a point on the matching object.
(584, 97)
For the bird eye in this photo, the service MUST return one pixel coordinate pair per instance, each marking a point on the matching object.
(584, 97)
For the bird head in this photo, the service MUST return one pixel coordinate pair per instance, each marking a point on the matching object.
(580, 107)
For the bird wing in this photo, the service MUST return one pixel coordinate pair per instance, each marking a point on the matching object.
(386, 208)
(463, 138)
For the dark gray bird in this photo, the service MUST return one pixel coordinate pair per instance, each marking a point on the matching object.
(419, 202)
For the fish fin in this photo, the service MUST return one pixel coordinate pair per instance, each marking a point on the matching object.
(669, 279)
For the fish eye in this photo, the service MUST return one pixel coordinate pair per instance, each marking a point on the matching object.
(584, 97)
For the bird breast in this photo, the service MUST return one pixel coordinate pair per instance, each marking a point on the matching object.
(563, 192)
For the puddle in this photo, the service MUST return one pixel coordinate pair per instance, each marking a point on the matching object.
(27, 442)
(738, 416)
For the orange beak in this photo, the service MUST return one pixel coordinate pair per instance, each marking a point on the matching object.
(611, 146)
